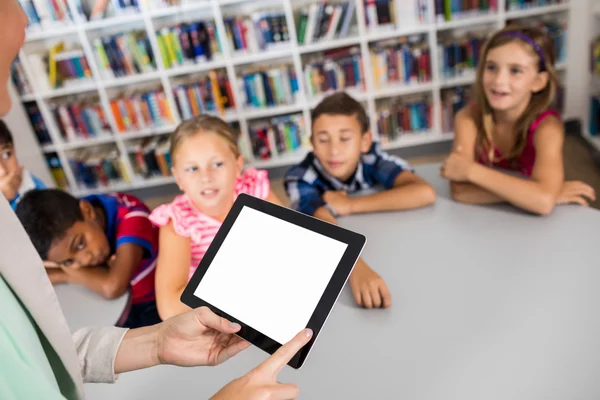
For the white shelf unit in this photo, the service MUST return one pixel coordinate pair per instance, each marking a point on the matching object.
(293, 52)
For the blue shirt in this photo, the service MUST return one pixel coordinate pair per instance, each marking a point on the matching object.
(306, 182)
(28, 182)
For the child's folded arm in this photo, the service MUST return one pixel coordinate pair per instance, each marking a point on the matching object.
(409, 191)
(537, 194)
(57, 276)
(172, 271)
(111, 282)
(468, 193)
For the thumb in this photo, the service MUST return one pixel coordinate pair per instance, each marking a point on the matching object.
(211, 320)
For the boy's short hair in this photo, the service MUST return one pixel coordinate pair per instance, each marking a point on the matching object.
(341, 103)
(5, 135)
(46, 216)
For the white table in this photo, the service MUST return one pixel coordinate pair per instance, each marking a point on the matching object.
(83, 307)
(488, 303)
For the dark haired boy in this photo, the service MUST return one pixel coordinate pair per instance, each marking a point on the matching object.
(346, 160)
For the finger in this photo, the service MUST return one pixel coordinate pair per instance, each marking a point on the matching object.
(356, 294)
(283, 391)
(50, 264)
(366, 297)
(458, 149)
(579, 200)
(375, 295)
(386, 296)
(212, 320)
(284, 354)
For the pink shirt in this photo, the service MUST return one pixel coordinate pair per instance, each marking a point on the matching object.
(189, 222)
(525, 162)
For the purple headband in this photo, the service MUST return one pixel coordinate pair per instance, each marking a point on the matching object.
(533, 44)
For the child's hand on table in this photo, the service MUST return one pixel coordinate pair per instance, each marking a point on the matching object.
(457, 167)
(575, 192)
(339, 202)
(368, 288)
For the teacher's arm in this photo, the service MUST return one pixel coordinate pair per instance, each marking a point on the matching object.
(172, 272)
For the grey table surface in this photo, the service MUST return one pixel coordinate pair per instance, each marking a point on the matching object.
(488, 303)
(83, 308)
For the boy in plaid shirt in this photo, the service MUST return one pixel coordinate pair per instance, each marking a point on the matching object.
(346, 160)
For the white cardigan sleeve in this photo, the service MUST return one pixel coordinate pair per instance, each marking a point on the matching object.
(96, 350)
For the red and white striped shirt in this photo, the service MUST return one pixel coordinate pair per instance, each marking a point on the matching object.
(199, 227)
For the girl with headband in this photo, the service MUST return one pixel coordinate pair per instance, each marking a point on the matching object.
(508, 144)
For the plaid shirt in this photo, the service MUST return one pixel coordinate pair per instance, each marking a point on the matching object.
(306, 182)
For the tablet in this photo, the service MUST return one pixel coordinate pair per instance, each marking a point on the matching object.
(274, 271)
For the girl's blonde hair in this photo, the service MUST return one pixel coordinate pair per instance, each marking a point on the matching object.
(204, 124)
(540, 45)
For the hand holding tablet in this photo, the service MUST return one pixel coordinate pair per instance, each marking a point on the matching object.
(274, 271)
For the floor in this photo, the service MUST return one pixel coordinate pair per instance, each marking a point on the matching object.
(579, 165)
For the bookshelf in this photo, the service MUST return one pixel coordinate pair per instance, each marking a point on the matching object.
(592, 129)
(161, 79)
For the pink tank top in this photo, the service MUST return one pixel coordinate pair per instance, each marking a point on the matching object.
(525, 162)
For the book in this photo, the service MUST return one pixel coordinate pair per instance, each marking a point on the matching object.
(77, 120)
(141, 110)
(261, 87)
(97, 167)
(335, 21)
(277, 136)
(188, 43)
(57, 171)
(258, 31)
(207, 94)
(124, 54)
(37, 122)
(401, 61)
(452, 100)
(403, 116)
(334, 70)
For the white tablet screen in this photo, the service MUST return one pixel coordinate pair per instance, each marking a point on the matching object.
(270, 274)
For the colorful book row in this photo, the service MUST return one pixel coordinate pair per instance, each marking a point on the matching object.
(141, 110)
(458, 55)
(57, 171)
(187, 44)
(68, 67)
(402, 62)
(99, 167)
(335, 70)
(81, 120)
(381, 14)
(257, 31)
(151, 157)
(209, 94)
(45, 14)
(404, 116)
(452, 100)
(448, 10)
(269, 87)
(124, 54)
(277, 136)
(37, 122)
(523, 4)
(98, 9)
(324, 21)
(595, 115)
(19, 79)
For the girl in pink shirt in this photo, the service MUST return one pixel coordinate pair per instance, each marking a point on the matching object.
(209, 169)
(511, 127)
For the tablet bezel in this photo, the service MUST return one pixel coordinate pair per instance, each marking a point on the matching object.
(355, 244)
